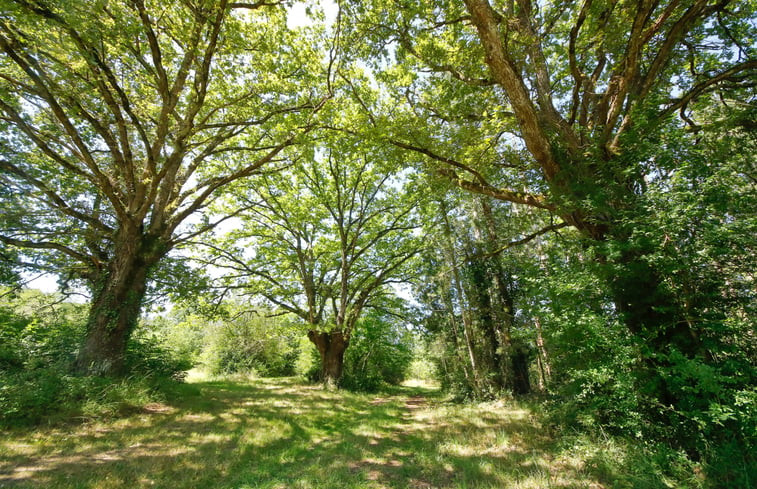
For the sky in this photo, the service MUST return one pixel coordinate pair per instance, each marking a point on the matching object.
(298, 17)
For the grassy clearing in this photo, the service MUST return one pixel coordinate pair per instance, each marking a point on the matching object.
(281, 434)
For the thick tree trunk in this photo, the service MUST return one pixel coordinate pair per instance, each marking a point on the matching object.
(116, 305)
(113, 315)
(331, 346)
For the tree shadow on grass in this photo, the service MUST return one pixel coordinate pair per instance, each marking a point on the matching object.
(278, 434)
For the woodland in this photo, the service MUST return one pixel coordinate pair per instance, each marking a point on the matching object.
(543, 207)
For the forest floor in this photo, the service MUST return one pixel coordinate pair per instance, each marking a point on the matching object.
(279, 433)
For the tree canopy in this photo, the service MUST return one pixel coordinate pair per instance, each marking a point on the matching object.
(570, 108)
(323, 240)
(123, 119)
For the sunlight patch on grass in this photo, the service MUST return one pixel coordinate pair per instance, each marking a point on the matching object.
(421, 383)
(275, 433)
(196, 418)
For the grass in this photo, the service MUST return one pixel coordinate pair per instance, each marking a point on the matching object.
(278, 433)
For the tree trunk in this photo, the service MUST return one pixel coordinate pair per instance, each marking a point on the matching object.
(116, 304)
(481, 302)
(500, 298)
(545, 370)
(447, 295)
(331, 347)
(456, 284)
(520, 359)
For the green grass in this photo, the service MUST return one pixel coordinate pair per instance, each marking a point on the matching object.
(281, 434)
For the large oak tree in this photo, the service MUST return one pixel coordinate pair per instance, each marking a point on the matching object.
(567, 107)
(322, 240)
(119, 120)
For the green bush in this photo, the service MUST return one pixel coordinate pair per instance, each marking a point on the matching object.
(29, 397)
(39, 341)
(254, 344)
(36, 334)
(308, 362)
(380, 352)
(11, 328)
(181, 332)
(600, 385)
(147, 355)
(26, 396)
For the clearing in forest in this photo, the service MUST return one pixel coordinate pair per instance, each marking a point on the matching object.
(279, 433)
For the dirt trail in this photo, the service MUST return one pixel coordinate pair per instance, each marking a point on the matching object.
(416, 402)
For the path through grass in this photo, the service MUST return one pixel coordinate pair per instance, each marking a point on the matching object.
(281, 434)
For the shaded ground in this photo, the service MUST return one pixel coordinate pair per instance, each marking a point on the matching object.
(280, 434)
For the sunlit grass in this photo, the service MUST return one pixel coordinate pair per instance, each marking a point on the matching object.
(282, 434)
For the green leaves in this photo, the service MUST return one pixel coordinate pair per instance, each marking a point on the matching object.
(134, 115)
(322, 238)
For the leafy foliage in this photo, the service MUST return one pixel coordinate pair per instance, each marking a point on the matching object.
(380, 353)
(39, 337)
(322, 240)
(603, 255)
(120, 121)
(252, 344)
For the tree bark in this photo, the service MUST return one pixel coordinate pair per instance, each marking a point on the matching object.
(117, 296)
(449, 304)
(545, 370)
(331, 347)
(457, 284)
(503, 303)
(482, 304)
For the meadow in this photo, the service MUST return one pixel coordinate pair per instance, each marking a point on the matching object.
(281, 433)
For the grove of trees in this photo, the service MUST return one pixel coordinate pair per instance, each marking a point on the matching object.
(556, 197)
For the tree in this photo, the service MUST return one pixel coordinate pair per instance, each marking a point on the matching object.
(568, 108)
(122, 119)
(470, 292)
(323, 241)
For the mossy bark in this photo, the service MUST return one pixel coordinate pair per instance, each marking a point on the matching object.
(117, 297)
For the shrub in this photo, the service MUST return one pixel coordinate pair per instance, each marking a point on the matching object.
(29, 397)
(147, 355)
(308, 362)
(380, 352)
(249, 343)
(181, 332)
(38, 342)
